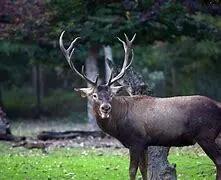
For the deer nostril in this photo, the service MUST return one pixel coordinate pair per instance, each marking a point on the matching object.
(105, 107)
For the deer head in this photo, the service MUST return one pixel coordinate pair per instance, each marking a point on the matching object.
(101, 94)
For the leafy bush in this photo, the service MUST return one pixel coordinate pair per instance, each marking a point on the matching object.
(62, 103)
(18, 102)
(21, 102)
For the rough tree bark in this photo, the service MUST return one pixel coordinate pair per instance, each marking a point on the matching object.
(1, 101)
(4, 124)
(37, 76)
(174, 80)
(91, 72)
(5, 132)
(107, 55)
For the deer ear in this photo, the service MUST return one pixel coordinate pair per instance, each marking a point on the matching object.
(115, 89)
(84, 92)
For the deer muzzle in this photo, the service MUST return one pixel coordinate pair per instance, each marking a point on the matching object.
(105, 109)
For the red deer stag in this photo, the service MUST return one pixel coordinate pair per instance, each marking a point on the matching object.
(142, 121)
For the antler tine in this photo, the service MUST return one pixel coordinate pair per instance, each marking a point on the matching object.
(133, 38)
(68, 54)
(111, 74)
(127, 48)
(127, 40)
(67, 51)
(124, 44)
(132, 58)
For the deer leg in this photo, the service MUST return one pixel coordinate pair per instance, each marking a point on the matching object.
(134, 161)
(214, 152)
(143, 164)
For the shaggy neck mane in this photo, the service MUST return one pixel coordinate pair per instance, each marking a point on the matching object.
(118, 111)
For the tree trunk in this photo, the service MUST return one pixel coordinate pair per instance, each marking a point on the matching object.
(38, 87)
(158, 165)
(1, 100)
(41, 81)
(5, 131)
(174, 84)
(4, 124)
(107, 56)
(91, 72)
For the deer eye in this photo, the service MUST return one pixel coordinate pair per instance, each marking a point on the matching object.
(95, 96)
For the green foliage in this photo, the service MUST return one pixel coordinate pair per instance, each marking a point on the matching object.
(60, 103)
(16, 59)
(172, 38)
(99, 23)
(169, 36)
(20, 102)
(11, 69)
(107, 164)
(196, 63)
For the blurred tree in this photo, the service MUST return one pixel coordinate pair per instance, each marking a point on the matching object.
(161, 23)
(40, 22)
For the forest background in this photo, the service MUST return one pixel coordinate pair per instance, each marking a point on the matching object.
(177, 50)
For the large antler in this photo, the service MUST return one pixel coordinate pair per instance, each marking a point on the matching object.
(127, 48)
(68, 53)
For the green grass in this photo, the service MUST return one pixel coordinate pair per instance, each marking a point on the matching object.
(192, 164)
(89, 164)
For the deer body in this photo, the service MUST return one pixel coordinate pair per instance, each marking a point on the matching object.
(142, 121)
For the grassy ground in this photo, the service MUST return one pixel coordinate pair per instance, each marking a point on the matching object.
(89, 164)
